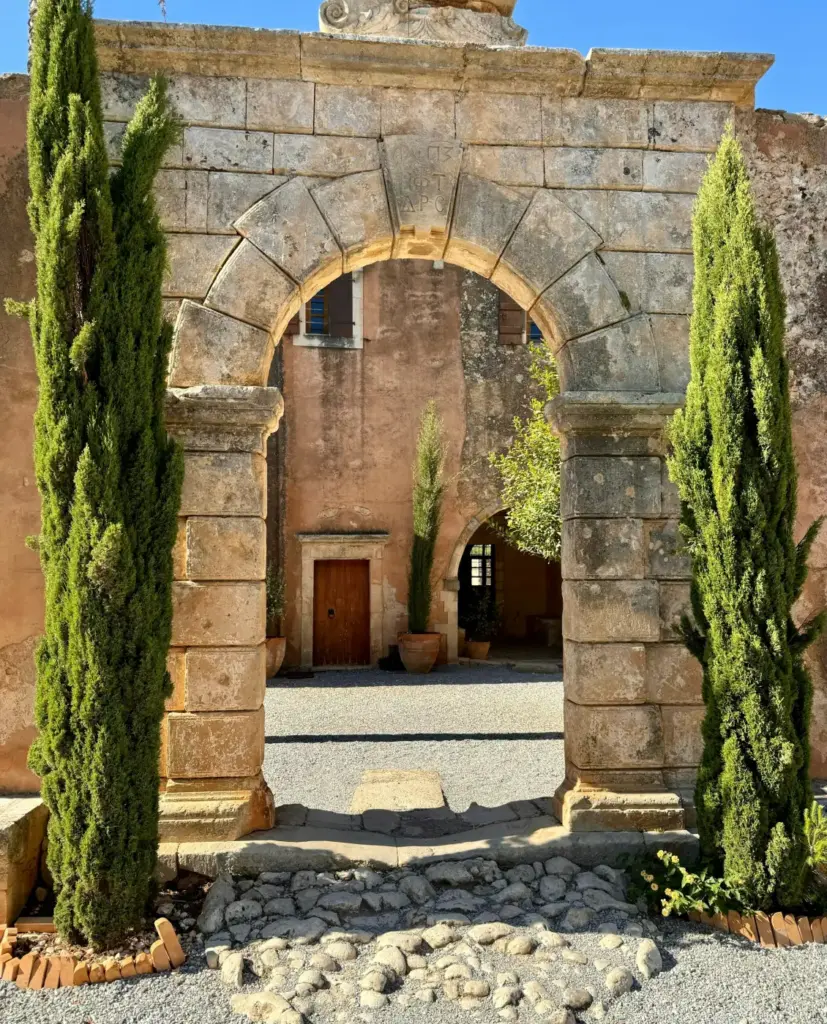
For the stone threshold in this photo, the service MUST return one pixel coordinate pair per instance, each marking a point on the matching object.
(319, 849)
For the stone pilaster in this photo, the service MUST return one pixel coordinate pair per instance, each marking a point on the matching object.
(213, 734)
(633, 704)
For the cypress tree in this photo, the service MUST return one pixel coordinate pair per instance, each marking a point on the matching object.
(733, 465)
(428, 495)
(109, 479)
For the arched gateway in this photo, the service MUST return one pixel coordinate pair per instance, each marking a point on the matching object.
(569, 184)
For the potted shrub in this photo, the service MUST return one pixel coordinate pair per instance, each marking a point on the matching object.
(418, 648)
(482, 621)
(276, 643)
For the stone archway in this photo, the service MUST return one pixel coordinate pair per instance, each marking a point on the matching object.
(633, 701)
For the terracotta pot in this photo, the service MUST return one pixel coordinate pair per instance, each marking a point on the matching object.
(478, 649)
(276, 646)
(419, 651)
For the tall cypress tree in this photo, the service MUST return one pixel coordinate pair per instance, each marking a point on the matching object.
(109, 479)
(733, 465)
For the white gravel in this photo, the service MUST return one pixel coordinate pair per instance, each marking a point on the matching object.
(491, 701)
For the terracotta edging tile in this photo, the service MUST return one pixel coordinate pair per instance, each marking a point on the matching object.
(80, 976)
(112, 971)
(53, 973)
(166, 933)
(39, 973)
(160, 958)
(27, 967)
(143, 964)
(127, 966)
(10, 969)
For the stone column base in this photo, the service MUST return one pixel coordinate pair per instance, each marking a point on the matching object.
(640, 805)
(214, 810)
(22, 828)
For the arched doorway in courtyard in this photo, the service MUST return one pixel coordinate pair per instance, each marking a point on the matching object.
(632, 712)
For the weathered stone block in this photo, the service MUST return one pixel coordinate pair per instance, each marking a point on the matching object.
(288, 228)
(603, 549)
(424, 112)
(224, 483)
(231, 194)
(689, 125)
(280, 106)
(211, 348)
(356, 208)
(682, 740)
(619, 358)
(674, 603)
(637, 221)
(226, 549)
(181, 200)
(610, 610)
(218, 614)
(577, 167)
(673, 172)
(201, 100)
(225, 679)
(120, 94)
(583, 300)
(673, 675)
(654, 282)
(22, 828)
(665, 557)
(324, 155)
(498, 119)
(549, 241)
(611, 486)
(177, 668)
(113, 133)
(485, 219)
(422, 174)
(576, 121)
(179, 551)
(200, 745)
(605, 673)
(670, 499)
(347, 110)
(252, 288)
(614, 737)
(213, 811)
(194, 261)
(508, 165)
(221, 149)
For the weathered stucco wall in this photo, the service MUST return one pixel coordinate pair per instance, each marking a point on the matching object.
(21, 588)
(351, 419)
(787, 154)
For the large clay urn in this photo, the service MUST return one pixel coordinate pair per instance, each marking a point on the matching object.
(419, 651)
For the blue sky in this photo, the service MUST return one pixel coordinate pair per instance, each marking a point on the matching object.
(794, 31)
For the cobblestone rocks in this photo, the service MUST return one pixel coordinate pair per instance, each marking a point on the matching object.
(545, 940)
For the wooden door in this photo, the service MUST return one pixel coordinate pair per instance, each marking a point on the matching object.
(341, 612)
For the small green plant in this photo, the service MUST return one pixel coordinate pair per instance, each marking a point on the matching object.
(669, 888)
(530, 471)
(815, 832)
(428, 496)
(482, 617)
(275, 599)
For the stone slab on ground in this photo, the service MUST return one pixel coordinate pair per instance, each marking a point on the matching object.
(507, 843)
(22, 828)
(391, 789)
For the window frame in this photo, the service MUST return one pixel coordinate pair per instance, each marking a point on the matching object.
(305, 339)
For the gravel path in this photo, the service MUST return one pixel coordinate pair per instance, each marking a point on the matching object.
(492, 710)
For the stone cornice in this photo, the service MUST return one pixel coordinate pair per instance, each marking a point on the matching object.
(146, 47)
(612, 412)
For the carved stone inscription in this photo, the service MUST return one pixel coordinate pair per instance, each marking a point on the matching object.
(422, 173)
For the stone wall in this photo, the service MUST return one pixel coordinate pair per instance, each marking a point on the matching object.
(21, 587)
(787, 154)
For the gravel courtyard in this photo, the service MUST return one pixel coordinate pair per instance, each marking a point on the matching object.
(493, 734)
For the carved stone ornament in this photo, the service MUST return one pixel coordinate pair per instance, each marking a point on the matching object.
(447, 21)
